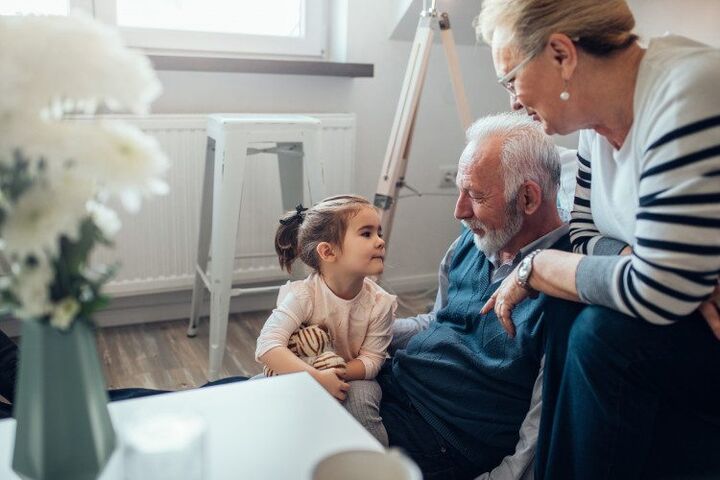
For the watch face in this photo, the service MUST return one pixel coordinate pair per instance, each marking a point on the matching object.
(523, 269)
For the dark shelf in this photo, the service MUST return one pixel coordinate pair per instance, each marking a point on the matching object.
(278, 67)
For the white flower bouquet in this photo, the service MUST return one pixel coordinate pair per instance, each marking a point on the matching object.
(56, 174)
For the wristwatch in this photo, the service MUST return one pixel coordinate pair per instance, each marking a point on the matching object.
(525, 270)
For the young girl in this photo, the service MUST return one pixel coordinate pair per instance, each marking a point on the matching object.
(340, 239)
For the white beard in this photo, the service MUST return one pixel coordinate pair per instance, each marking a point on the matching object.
(493, 240)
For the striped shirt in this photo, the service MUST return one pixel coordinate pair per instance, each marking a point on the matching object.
(659, 193)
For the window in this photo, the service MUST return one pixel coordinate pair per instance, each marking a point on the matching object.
(237, 27)
(280, 17)
(212, 27)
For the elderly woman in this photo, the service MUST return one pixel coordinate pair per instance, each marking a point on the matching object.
(645, 230)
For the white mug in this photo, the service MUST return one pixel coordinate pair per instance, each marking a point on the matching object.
(367, 464)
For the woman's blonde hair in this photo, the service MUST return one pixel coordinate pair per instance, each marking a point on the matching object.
(301, 231)
(598, 27)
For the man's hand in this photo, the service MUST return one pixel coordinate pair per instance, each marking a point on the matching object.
(710, 310)
(504, 300)
(331, 381)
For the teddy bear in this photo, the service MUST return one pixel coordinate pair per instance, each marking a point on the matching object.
(312, 344)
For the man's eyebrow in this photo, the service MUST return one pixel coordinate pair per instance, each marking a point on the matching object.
(468, 186)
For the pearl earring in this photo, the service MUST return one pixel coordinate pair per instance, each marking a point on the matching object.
(565, 95)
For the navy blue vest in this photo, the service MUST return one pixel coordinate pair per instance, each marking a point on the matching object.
(464, 374)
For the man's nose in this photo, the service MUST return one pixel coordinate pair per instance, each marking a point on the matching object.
(463, 209)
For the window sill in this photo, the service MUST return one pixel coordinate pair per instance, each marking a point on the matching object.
(276, 67)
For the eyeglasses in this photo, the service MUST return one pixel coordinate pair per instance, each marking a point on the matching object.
(507, 80)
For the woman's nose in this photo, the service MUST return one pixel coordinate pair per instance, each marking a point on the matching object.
(515, 105)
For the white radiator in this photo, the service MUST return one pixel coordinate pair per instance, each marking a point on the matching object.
(156, 247)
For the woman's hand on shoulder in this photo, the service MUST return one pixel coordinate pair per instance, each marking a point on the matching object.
(504, 300)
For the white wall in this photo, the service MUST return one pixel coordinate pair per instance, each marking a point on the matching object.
(424, 226)
(698, 19)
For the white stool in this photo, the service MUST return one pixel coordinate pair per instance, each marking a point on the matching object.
(230, 142)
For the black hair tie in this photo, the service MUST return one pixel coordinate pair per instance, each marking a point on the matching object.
(298, 217)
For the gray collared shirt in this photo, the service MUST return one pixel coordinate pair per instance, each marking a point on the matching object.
(501, 271)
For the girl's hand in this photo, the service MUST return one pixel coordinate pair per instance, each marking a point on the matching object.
(331, 381)
(506, 297)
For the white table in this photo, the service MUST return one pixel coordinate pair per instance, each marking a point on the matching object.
(276, 428)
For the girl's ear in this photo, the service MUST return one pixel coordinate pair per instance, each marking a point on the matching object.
(326, 252)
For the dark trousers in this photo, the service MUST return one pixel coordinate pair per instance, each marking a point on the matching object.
(129, 393)
(409, 431)
(623, 398)
(8, 372)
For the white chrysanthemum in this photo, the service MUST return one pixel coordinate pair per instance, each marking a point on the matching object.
(120, 158)
(48, 59)
(31, 289)
(52, 65)
(63, 313)
(126, 162)
(104, 218)
(38, 139)
(43, 214)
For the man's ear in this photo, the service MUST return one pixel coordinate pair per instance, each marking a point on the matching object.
(563, 53)
(326, 252)
(530, 197)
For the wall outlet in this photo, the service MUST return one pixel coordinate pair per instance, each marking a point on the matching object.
(448, 174)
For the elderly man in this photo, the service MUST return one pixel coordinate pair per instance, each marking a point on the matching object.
(459, 388)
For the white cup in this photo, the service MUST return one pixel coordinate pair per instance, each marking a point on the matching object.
(367, 464)
(165, 446)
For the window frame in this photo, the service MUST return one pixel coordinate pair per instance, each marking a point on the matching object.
(312, 45)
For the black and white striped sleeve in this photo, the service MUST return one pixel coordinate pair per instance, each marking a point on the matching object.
(676, 251)
(584, 235)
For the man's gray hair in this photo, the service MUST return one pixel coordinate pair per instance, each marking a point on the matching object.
(527, 153)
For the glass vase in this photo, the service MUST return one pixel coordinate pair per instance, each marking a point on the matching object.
(63, 427)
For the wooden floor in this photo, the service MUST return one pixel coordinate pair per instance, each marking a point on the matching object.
(160, 355)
